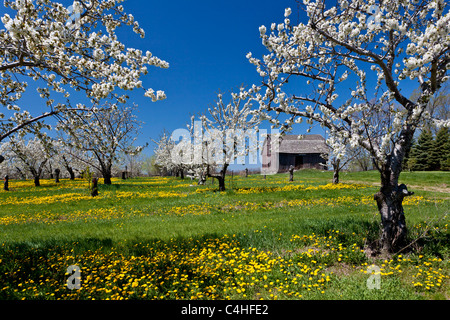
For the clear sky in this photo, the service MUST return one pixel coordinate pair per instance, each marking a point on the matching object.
(205, 43)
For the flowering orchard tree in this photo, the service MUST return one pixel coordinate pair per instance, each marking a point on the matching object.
(162, 151)
(67, 50)
(226, 127)
(68, 159)
(377, 48)
(101, 135)
(29, 156)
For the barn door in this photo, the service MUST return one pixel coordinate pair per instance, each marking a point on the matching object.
(299, 162)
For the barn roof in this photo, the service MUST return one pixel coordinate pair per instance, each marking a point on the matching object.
(308, 144)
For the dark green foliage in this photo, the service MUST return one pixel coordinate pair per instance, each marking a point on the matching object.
(430, 154)
(421, 152)
(440, 155)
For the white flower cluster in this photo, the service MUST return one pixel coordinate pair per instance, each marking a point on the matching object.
(38, 44)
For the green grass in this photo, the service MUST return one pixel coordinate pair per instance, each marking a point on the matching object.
(163, 238)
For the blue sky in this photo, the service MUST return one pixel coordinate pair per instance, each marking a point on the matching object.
(205, 43)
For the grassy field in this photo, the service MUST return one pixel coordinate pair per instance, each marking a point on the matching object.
(163, 238)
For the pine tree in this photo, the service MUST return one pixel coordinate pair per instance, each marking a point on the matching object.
(440, 153)
(421, 152)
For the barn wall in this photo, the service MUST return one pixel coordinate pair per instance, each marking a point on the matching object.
(310, 161)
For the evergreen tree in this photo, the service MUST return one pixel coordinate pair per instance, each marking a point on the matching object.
(440, 154)
(421, 152)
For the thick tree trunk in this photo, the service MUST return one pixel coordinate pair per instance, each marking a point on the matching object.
(37, 182)
(107, 178)
(57, 172)
(221, 180)
(392, 217)
(71, 173)
(220, 177)
(291, 173)
(106, 173)
(390, 206)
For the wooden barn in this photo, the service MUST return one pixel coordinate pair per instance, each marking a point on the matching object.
(302, 153)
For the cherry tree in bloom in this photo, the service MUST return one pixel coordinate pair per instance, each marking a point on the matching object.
(162, 151)
(29, 156)
(67, 50)
(229, 133)
(100, 135)
(388, 44)
(66, 159)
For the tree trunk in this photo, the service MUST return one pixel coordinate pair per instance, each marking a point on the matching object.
(182, 174)
(37, 183)
(220, 177)
(336, 176)
(57, 172)
(71, 173)
(107, 178)
(390, 206)
(336, 169)
(221, 180)
(69, 168)
(6, 184)
(106, 173)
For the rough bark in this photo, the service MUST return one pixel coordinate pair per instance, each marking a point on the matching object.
(390, 204)
(220, 176)
(389, 201)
